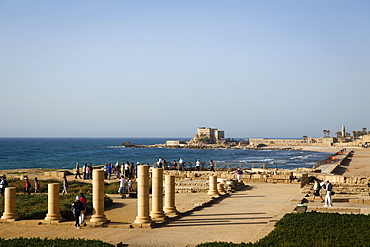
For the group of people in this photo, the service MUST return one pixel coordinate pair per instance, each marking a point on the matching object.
(86, 171)
(79, 208)
(127, 170)
(328, 187)
(181, 165)
(123, 181)
(27, 186)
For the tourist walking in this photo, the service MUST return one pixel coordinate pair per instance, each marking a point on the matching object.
(3, 184)
(122, 187)
(122, 170)
(65, 185)
(83, 212)
(78, 174)
(27, 186)
(129, 185)
(329, 191)
(239, 173)
(87, 172)
(90, 171)
(174, 164)
(77, 207)
(197, 165)
(127, 169)
(212, 166)
(181, 164)
(317, 190)
(159, 162)
(109, 170)
(105, 169)
(37, 185)
(84, 171)
(118, 171)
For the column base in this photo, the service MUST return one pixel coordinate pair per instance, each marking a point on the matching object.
(143, 220)
(99, 218)
(142, 225)
(10, 216)
(54, 217)
(171, 211)
(213, 193)
(158, 216)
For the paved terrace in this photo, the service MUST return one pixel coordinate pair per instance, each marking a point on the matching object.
(243, 216)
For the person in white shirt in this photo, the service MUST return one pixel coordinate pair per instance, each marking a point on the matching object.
(122, 186)
(181, 164)
(197, 165)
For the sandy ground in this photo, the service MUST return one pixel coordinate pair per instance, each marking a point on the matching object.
(359, 164)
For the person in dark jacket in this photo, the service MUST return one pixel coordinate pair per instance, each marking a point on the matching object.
(77, 207)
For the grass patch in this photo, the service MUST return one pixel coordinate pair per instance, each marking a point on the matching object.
(35, 206)
(314, 229)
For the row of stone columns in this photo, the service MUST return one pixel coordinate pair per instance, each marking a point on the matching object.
(10, 212)
(158, 211)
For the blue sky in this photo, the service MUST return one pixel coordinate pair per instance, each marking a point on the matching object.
(164, 68)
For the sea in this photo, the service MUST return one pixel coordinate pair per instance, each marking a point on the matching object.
(64, 153)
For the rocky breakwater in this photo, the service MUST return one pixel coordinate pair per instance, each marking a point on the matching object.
(221, 145)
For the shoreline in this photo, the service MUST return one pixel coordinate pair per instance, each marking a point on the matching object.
(321, 149)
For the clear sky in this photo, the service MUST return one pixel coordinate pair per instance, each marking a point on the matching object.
(163, 68)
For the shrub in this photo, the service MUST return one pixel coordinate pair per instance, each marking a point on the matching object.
(58, 242)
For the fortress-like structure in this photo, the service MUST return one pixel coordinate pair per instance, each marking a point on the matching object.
(208, 136)
(204, 136)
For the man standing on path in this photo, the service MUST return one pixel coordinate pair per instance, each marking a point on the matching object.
(109, 170)
(78, 174)
(212, 166)
(239, 174)
(77, 207)
(122, 186)
(181, 164)
(84, 171)
(65, 185)
(317, 189)
(329, 188)
(197, 165)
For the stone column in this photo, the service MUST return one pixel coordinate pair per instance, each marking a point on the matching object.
(157, 195)
(53, 203)
(10, 212)
(169, 190)
(142, 217)
(213, 187)
(98, 197)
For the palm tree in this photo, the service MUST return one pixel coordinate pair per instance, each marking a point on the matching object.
(338, 134)
(304, 138)
(324, 131)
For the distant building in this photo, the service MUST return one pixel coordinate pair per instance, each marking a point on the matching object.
(327, 141)
(175, 143)
(208, 135)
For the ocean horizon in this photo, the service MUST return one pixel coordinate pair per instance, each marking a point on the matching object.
(65, 152)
